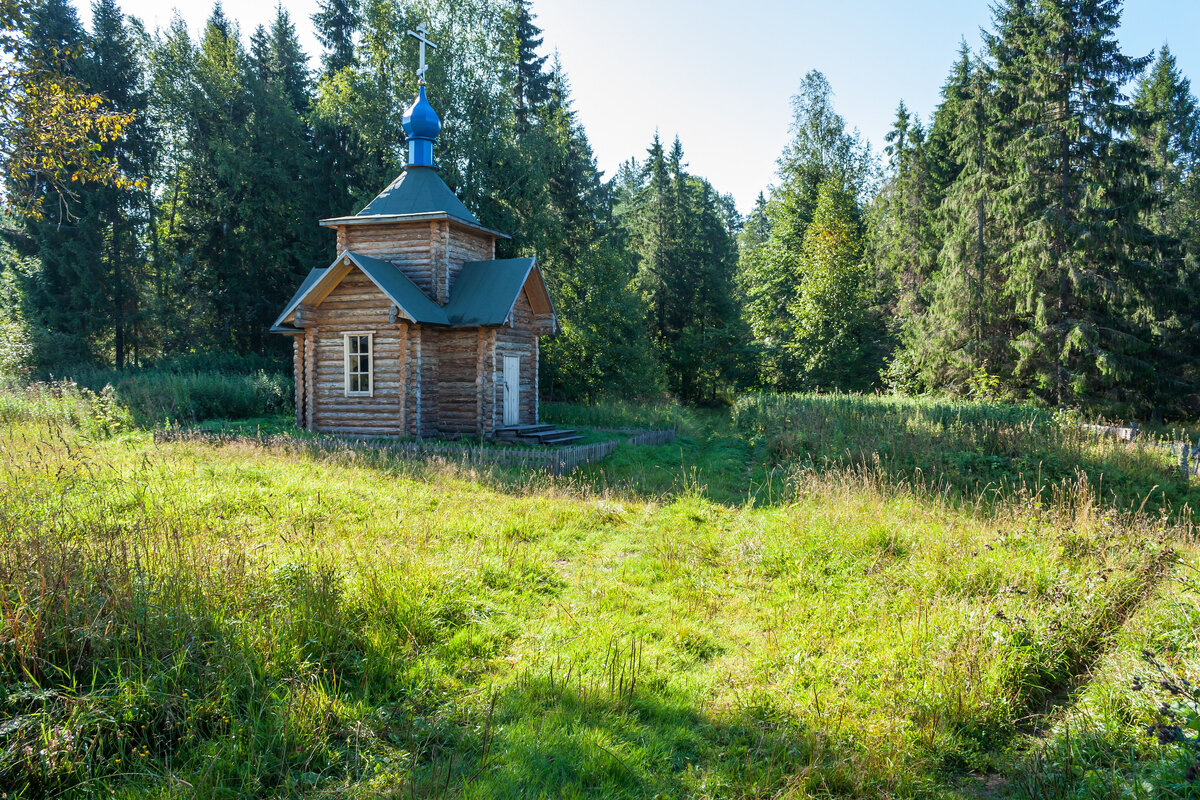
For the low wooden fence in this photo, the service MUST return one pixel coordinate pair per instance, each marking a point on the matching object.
(1187, 454)
(1115, 431)
(556, 461)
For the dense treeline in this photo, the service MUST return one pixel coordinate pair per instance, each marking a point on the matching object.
(245, 148)
(1038, 237)
(1035, 239)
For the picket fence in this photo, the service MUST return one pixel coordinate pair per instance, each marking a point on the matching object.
(556, 461)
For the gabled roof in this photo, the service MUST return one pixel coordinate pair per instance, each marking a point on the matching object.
(418, 193)
(486, 291)
(310, 280)
(412, 302)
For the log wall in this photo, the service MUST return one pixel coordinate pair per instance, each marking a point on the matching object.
(356, 305)
(458, 369)
(430, 253)
(428, 377)
(518, 340)
(405, 244)
(463, 245)
(298, 373)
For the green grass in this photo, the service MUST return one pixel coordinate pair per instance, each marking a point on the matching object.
(976, 452)
(681, 621)
(187, 392)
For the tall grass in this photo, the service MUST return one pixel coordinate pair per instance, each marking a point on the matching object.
(973, 451)
(251, 620)
(173, 396)
(616, 413)
(242, 620)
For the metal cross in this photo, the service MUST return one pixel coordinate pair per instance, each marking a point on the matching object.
(419, 35)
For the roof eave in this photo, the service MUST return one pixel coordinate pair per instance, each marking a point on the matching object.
(334, 222)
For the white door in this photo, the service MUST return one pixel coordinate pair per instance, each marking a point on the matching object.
(512, 390)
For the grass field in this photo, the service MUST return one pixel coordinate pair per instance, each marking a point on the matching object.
(761, 609)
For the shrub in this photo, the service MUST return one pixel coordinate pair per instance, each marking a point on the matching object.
(65, 403)
(157, 396)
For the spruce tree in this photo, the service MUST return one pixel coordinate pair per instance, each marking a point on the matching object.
(1079, 272)
(531, 85)
(114, 70)
(686, 246)
(603, 346)
(65, 295)
(1169, 131)
(335, 24)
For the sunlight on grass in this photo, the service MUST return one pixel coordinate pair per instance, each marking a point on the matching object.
(184, 619)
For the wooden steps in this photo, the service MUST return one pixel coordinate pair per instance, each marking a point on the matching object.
(547, 435)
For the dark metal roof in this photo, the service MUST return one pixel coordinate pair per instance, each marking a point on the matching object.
(415, 304)
(309, 281)
(418, 193)
(418, 190)
(485, 291)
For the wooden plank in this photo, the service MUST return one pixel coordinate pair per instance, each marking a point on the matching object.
(445, 259)
(298, 374)
(403, 375)
(310, 379)
(416, 427)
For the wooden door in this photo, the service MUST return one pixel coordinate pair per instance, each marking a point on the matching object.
(512, 390)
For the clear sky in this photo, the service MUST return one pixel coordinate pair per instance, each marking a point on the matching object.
(720, 74)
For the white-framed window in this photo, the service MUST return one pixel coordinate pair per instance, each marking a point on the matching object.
(360, 353)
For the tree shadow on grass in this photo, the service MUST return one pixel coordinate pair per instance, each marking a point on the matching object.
(542, 739)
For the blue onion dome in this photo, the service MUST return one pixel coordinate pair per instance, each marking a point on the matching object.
(421, 121)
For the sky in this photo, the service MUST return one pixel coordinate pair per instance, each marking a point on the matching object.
(720, 74)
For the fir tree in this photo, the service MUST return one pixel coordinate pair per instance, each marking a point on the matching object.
(770, 274)
(117, 214)
(1079, 272)
(1169, 131)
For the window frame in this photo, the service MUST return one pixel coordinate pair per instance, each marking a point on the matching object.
(346, 371)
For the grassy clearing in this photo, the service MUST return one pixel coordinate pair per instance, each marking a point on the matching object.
(965, 451)
(188, 620)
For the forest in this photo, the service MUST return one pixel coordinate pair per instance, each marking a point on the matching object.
(1032, 241)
